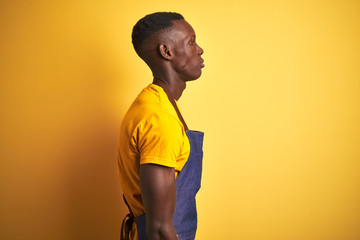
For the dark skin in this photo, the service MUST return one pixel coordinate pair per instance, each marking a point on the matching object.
(174, 58)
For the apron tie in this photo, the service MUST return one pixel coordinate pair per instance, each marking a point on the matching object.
(127, 223)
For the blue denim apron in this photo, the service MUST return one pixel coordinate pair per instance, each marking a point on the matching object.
(187, 185)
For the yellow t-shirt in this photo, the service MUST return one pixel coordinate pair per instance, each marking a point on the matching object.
(151, 132)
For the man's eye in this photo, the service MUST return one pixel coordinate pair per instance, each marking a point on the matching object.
(192, 42)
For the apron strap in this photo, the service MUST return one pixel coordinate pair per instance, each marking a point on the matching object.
(172, 100)
(127, 223)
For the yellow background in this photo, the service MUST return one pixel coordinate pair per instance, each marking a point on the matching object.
(279, 102)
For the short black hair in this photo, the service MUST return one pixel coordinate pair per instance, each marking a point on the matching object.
(151, 24)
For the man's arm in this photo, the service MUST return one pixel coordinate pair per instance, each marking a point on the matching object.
(159, 196)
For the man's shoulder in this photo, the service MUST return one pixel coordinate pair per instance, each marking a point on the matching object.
(151, 107)
(150, 115)
(151, 102)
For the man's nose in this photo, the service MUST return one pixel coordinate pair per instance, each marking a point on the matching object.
(200, 51)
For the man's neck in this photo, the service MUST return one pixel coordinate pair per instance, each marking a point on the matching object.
(175, 88)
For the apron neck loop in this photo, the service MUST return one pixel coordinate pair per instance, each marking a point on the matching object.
(166, 89)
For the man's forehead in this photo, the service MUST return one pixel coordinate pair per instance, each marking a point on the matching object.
(183, 27)
(182, 23)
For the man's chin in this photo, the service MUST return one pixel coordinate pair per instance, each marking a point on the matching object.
(195, 77)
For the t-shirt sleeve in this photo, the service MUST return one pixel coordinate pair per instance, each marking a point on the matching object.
(160, 140)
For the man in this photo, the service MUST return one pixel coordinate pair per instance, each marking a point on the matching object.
(160, 160)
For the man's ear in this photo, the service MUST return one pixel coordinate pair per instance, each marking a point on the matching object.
(165, 51)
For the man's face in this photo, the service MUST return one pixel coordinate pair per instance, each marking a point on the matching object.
(187, 61)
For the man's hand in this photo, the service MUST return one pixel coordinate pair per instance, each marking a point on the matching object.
(159, 196)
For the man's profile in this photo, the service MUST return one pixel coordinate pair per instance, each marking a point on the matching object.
(159, 158)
